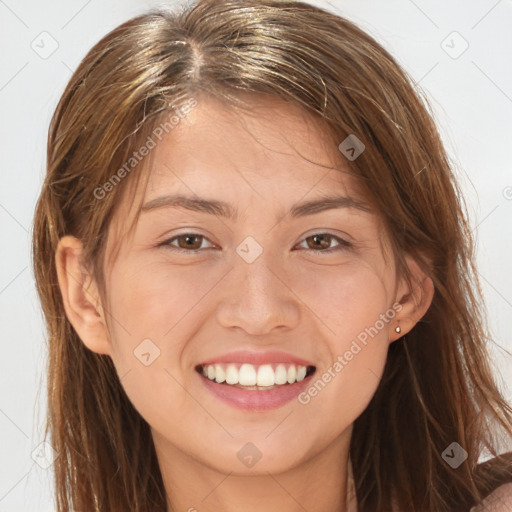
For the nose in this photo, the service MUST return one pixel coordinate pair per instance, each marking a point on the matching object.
(259, 298)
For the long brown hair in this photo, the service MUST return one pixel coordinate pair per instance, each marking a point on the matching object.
(437, 386)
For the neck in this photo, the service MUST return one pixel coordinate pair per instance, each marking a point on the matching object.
(318, 482)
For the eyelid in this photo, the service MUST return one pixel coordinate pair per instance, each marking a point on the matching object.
(326, 231)
(167, 241)
(343, 243)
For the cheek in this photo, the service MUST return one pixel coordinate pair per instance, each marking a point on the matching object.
(146, 309)
(340, 307)
(343, 302)
(152, 300)
(346, 298)
(354, 305)
(154, 310)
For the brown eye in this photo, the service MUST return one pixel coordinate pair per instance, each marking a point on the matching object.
(189, 242)
(321, 242)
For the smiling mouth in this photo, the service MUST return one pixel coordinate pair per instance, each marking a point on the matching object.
(255, 377)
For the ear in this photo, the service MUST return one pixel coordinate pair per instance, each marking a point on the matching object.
(414, 298)
(80, 295)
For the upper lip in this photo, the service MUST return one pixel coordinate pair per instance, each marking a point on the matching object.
(257, 358)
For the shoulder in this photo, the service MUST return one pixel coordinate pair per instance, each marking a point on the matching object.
(497, 473)
(500, 500)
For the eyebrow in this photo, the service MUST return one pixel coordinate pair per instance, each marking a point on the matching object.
(223, 209)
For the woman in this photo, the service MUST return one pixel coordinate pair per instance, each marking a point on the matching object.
(258, 277)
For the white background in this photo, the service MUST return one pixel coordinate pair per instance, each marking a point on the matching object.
(472, 97)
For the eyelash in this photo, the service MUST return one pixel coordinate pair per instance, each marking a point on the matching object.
(342, 244)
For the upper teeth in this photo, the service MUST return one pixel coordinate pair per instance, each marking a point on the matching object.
(250, 375)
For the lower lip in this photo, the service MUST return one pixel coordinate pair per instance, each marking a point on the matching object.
(256, 400)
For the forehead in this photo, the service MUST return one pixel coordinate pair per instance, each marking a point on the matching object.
(272, 145)
(269, 155)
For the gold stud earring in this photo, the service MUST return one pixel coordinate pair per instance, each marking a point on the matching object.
(398, 330)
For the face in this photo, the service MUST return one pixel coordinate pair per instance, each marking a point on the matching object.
(250, 268)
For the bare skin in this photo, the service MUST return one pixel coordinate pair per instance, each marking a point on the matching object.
(293, 297)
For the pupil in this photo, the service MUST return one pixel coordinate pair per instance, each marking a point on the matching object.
(188, 238)
(323, 242)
